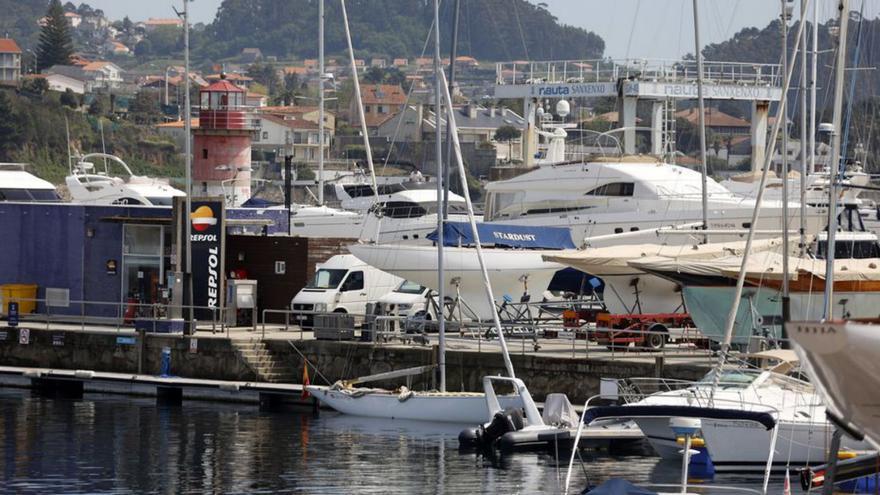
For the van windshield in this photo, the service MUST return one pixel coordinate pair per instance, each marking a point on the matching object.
(408, 287)
(327, 279)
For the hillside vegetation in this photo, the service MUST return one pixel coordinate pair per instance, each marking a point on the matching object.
(489, 29)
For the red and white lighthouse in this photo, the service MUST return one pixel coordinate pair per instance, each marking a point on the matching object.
(222, 144)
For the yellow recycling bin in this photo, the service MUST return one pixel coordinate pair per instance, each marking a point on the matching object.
(23, 294)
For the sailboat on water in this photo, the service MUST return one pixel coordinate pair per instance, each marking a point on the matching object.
(440, 406)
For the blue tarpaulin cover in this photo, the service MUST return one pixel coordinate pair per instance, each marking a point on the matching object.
(515, 236)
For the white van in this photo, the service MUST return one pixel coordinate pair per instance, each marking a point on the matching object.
(342, 284)
(407, 299)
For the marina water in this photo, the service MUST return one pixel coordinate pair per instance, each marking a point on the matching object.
(115, 444)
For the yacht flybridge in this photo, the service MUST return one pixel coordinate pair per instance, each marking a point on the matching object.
(17, 184)
(88, 186)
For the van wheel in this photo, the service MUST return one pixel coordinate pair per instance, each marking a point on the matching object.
(340, 311)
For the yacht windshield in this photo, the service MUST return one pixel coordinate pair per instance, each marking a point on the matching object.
(408, 287)
(730, 379)
(327, 279)
(160, 200)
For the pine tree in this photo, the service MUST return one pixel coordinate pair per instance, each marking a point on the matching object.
(56, 44)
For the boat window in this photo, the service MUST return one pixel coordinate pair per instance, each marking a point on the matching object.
(730, 379)
(403, 209)
(355, 281)
(327, 279)
(28, 195)
(365, 190)
(44, 195)
(408, 287)
(613, 189)
(160, 201)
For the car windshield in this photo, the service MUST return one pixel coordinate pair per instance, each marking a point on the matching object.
(327, 279)
(408, 287)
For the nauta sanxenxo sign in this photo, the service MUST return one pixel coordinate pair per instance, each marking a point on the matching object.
(207, 234)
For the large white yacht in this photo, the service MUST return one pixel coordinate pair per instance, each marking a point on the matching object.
(17, 184)
(613, 195)
(397, 214)
(98, 187)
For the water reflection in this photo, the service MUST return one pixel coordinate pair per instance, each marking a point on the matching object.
(112, 444)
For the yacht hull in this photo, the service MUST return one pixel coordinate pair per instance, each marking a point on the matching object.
(507, 270)
(452, 407)
(841, 359)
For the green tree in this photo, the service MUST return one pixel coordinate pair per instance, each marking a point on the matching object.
(97, 107)
(10, 131)
(265, 74)
(507, 133)
(69, 99)
(56, 44)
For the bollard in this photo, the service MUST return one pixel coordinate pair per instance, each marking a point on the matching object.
(165, 366)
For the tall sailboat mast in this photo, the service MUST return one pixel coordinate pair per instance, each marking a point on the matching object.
(320, 102)
(786, 300)
(730, 322)
(802, 242)
(438, 156)
(834, 164)
(701, 103)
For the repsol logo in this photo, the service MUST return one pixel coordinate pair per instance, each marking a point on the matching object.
(203, 237)
(213, 283)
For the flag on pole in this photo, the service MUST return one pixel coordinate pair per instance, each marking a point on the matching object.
(305, 393)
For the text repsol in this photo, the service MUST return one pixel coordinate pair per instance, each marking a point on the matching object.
(213, 261)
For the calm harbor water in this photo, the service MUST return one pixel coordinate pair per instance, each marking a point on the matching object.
(113, 444)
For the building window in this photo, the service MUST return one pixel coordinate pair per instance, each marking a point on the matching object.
(265, 135)
(204, 153)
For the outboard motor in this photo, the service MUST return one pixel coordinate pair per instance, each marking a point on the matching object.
(485, 436)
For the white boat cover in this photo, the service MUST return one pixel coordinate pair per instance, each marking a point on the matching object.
(766, 265)
(558, 411)
(615, 260)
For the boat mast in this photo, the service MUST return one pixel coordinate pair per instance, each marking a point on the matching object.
(740, 281)
(802, 242)
(487, 284)
(320, 102)
(360, 104)
(701, 103)
(814, 71)
(840, 67)
(453, 53)
(441, 238)
(785, 196)
(187, 154)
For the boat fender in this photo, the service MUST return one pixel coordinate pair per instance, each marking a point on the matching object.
(405, 394)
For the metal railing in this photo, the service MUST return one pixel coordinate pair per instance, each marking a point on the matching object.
(659, 70)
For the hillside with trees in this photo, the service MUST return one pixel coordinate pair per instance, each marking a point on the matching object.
(765, 46)
(489, 29)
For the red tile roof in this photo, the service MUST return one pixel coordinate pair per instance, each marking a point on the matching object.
(714, 118)
(384, 94)
(8, 45)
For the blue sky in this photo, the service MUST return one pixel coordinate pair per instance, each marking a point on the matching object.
(631, 28)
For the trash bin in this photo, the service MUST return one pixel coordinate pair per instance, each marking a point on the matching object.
(24, 294)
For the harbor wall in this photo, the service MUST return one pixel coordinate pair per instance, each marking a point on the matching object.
(219, 359)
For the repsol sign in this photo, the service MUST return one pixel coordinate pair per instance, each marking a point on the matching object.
(206, 240)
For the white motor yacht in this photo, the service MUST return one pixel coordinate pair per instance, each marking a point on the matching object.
(802, 429)
(88, 186)
(19, 185)
(614, 195)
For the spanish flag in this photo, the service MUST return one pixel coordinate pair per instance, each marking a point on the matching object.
(305, 393)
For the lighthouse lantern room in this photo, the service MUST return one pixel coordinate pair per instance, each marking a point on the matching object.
(222, 144)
